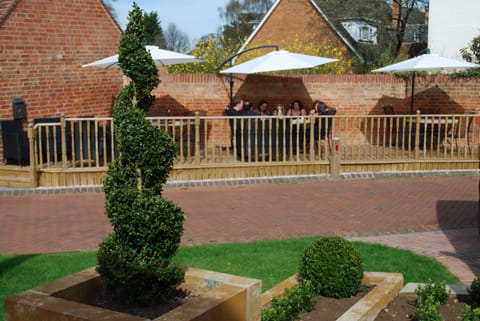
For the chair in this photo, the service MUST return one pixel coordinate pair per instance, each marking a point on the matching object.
(430, 111)
(323, 128)
(388, 110)
(50, 139)
(85, 139)
(391, 127)
(456, 131)
(15, 142)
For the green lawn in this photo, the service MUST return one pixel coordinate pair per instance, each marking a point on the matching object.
(270, 261)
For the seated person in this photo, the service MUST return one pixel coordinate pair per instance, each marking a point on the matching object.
(248, 110)
(296, 109)
(262, 108)
(236, 108)
(323, 126)
(320, 108)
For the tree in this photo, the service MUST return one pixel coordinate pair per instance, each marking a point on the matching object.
(406, 9)
(472, 52)
(175, 39)
(214, 49)
(134, 261)
(241, 17)
(391, 25)
(153, 30)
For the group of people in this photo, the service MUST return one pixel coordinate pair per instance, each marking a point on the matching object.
(296, 108)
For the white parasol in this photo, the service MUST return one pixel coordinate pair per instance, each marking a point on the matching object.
(161, 57)
(426, 62)
(276, 61)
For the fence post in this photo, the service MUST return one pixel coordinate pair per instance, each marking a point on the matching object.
(197, 138)
(417, 133)
(335, 157)
(33, 156)
(63, 138)
(312, 135)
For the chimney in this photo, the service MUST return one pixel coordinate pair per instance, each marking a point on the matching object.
(395, 12)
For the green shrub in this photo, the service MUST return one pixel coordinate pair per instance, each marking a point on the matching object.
(434, 290)
(429, 299)
(428, 309)
(298, 299)
(470, 315)
(333, 266)
(474, 292)
(134, 261)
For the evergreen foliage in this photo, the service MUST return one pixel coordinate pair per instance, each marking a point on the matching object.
(334, 267)
(134, 261)
(296, 300)
(474, 292)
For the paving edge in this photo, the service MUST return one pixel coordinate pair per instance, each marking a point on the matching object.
(6, 191)
(454, 289)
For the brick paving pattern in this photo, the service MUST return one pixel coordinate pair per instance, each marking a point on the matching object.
(435, 215)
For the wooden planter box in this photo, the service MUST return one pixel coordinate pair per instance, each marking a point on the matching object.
(387, 286)
(218, 296)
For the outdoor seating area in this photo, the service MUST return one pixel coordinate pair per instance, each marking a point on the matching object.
(253, 146)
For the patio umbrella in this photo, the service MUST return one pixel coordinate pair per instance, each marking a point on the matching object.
(275, 61)
(426, 62)
(161, 57)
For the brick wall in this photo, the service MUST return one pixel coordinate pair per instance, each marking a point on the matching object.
(43, 45)
(350, 94)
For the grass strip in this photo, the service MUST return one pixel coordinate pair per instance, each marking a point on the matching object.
(269, 261)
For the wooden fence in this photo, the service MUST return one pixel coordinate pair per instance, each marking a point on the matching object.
(77, 151)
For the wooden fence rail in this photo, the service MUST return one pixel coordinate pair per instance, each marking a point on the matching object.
(222, 147)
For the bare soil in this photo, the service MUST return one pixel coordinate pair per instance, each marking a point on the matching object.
(173, 300)
(403, 308)
(400, 308)
(330, 309)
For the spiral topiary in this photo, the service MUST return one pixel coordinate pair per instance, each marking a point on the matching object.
(134, 261)
(333, 266)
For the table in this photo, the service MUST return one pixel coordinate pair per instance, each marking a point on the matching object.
(433, 130)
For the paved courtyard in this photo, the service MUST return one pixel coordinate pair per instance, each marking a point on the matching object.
(435, 216)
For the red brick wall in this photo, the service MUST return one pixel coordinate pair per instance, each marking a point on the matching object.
(43, 45)
(350, 94)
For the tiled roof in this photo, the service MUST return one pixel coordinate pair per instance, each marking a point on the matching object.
(5, 7)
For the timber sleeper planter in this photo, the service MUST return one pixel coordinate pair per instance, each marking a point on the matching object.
(217, 296)
(386, 287)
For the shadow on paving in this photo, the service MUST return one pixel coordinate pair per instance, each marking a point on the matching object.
(461, 214)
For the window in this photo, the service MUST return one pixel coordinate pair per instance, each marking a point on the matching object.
(367, 34)
(417, 36)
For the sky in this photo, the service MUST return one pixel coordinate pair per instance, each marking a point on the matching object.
(196, 18)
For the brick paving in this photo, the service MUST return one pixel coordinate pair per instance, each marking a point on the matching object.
(434, 215)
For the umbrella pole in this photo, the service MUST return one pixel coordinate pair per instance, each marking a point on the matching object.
(413, 93)
(230, 80)
(230, 60)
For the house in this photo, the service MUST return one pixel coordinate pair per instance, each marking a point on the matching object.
(293, 21)
(43, 45)
(361, 30)
(415, 35)
(452, 27)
